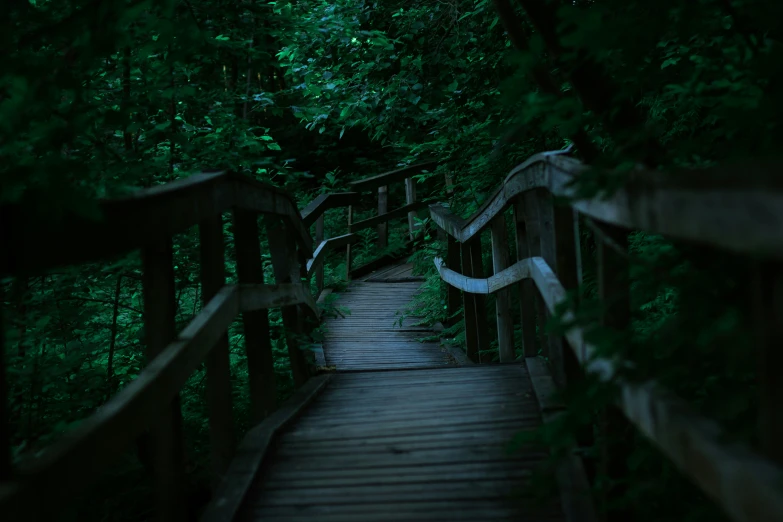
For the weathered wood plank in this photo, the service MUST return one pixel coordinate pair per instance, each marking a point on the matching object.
(316, 262)
(319, 271)
(166, 437)
(221, 419)
(348, 257)
(253, 449)
(769, 336)
(410, 199)
(286, 268)
(372, 336)
(6, 462)
(388, 178)
(325, 467)
(258, 345)
(614, 292)
(527, 291)
(383, 207)
(500, 261)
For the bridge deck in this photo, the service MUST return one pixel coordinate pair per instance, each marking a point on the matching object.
(410, 444)
(371, 336)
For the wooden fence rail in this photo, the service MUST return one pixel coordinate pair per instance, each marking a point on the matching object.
(706, 206)
(149, 406)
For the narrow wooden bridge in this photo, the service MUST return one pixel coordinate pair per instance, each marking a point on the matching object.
(382, 426)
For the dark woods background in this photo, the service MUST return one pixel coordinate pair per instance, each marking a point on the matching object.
(98, 97)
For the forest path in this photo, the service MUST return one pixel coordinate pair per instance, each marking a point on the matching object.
(401, 432)
(376, 334)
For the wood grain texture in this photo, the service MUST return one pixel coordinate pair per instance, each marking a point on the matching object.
(372, 336)
(719, 206)
(364, 450)
(252, 450)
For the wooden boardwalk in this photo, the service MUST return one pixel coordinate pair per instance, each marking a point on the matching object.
(427, 444)
(371, 337)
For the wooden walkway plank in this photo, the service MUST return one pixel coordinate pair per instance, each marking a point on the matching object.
(376, 335)
(408, 445)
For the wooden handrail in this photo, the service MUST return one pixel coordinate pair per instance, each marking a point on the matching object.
(702, 206)
(390, 177)
(696, 207)
(129, 223)
(746, 485)
(147, 220)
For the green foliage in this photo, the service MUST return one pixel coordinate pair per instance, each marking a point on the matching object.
(100, 98)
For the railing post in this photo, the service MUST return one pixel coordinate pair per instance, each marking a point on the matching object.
(527, 288)
(532, 201)
(348, 247)
(410, 198)
(476, 330)
(258, 345)
(319, 270)
(558, 250)
(287, 270)
(221, 419)
(614, 292)
(769, 333)
(452, 296)
(500, 261)
(383, 207)
(6, 462)
(469, 308)
(165, 432)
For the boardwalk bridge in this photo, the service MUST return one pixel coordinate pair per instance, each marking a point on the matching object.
(381, 426)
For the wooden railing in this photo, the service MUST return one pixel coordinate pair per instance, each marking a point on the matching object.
(149, 406)
(710, 206)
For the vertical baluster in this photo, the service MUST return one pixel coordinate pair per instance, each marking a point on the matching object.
(287, 270)
(500, 261)
(410, 198)
(613, 428)
(258, 345)
(221, 419)
(348, 248)
(319, 270)
(166, 431)
(527, 288)
(769, 333)
(383, 207)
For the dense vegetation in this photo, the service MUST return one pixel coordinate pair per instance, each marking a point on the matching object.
(99, 97)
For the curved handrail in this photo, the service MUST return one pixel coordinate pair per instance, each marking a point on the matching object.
(330, 244)
(746, 485)
(31, 245)
(505, 278)
(707, 206)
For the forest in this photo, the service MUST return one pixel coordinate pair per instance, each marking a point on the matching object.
(101, 97)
